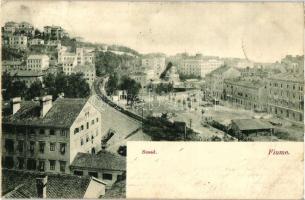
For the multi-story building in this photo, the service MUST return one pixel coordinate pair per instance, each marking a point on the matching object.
(215, 81)
(10, 27)
(26, 28)
(36, 41)
(46, 136)
(172, 76)
(144, 77)
(54, 32)
(198, 67)
(17, 41)
(286, 95)
(84, 57)
(28, 77)
(38, 62)
(12, 65)
(248, 94)
(156, 63)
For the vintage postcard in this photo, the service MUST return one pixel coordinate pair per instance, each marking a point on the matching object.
(152, 100)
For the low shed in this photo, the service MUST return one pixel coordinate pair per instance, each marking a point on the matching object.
(249, 126)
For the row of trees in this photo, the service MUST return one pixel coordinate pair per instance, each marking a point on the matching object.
(160, 129)
(124, 83)
(108, 62)
(72, 86)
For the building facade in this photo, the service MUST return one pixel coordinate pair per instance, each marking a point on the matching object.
(36, 41)
(157, 64)
(286, 96)
(215, 81)
(251, 95)
(36, 138)
(105, 166)
(198, 67)
(54, 32)
(17, 41)
(37, 62)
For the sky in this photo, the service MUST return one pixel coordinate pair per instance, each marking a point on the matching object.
(267, 31)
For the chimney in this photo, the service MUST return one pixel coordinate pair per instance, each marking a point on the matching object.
(15, 104)
(45, 105)
(41, 186)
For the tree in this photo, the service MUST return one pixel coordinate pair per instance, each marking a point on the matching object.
(18, 89)
(7, 84)
(112, 84)
(35, 90)
(169, 65)
(132, 88)
(49, 85)
(77, 86)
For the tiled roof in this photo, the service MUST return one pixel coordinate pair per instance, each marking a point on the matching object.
(251, 124)
(20, 184)
(118, 190)
(62, 114)
(102, 160)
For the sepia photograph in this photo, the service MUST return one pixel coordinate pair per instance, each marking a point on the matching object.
(82, 78)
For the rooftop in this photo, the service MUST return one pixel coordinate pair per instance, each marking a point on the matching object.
(251, 124)
(219, 70)
(288, 77)
(38, 56)
(25, 73)
(29, 113)
(20, 184)
(246, 83)
(102, 160)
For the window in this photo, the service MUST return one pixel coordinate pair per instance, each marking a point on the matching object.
(31, 164)
(20, 164)
(9, 145)
(41, 131)
(32, 146)
(76, 130)
(87, 125)
(41, 147)
(81, 141)
(52, 164)
(92, 122)
(107, 176)
(94, 174)
(78, 173)
(62, 148)
(52, 132)
(63, 133)
(8, 162)
(20, 146)
(87, 138)
(41, 165)
(62, 165)
(52, 146)
(82, 127)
